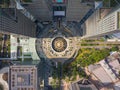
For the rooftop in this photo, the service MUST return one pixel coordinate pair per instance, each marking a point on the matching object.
(23, 77)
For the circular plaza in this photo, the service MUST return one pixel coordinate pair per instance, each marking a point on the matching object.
(56, 44)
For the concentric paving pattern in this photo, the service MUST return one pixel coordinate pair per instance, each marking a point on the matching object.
(59, 44)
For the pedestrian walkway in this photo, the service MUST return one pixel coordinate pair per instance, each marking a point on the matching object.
(13, 43)
(32, 48)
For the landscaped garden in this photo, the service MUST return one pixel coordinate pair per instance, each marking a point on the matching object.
(84, 58)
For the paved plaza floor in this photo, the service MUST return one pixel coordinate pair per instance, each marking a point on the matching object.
(58, 43)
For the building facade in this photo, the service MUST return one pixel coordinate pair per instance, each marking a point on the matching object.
(13, 21)
(23, 77)
(96, 26)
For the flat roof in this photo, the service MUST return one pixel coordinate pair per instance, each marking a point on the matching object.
(23, 77)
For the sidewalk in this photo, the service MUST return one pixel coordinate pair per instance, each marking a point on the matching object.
(13, 42)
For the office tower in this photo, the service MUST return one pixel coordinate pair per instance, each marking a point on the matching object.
(96, 25)
(12, 21)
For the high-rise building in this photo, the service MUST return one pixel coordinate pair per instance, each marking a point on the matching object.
(45, 11)
(96, 26)
(13, 21)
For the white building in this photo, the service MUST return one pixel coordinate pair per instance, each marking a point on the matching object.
(97, 26)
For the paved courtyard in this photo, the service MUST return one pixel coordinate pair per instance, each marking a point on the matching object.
(58, 43)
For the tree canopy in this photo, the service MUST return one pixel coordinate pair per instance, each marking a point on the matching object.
(84, 58)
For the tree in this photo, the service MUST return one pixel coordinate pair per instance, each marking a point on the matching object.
(114, 48)
(84, 58)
